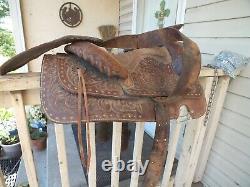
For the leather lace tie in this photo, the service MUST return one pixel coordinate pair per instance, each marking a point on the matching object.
(82, 92)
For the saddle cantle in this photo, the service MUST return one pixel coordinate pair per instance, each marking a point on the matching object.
(150, 82)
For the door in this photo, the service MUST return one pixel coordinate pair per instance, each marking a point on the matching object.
(146, 21)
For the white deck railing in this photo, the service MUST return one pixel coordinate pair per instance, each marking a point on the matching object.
(23, 89)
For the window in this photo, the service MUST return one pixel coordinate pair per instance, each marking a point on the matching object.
(11, 31)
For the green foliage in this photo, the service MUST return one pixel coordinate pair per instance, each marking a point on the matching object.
(4, 8)
(7, 139)
(7, 124)
(37, 134)
(5, 115)
(36, 114)
(7, 43)
(10, 140)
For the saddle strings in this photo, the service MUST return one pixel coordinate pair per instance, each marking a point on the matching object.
(82, 91)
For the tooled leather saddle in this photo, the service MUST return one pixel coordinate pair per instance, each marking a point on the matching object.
(158, 73)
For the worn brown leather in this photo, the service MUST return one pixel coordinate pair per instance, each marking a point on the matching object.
(151, 78)
(148, 83)
(24, 57)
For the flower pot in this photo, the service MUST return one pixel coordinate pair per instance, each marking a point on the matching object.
(40, 144)
(11, 151)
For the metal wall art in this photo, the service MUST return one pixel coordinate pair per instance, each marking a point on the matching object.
(161, 14)
(70, 14)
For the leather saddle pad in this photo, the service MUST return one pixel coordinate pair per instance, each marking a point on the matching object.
(152, 78)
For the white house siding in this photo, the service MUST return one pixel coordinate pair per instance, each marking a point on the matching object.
(218, 25)
(125, 17)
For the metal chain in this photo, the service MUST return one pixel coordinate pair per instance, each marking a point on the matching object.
(210, 101)
(211, 96)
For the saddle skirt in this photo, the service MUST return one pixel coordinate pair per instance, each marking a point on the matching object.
(152, 78)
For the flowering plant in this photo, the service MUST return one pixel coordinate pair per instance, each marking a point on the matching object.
(8, 131)
(36, 117)
(7, 139)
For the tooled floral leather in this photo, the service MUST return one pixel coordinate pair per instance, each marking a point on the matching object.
(60, 105)
(109, 98)
(150, 72)
(142, 79)
(96, 83)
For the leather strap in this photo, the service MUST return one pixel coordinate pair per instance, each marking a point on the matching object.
(159, 150)
(79, 129)
(24, 57)
(82, 91)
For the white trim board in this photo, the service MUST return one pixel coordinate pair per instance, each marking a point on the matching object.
(16, 18)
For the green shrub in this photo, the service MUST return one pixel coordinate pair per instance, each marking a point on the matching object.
(4, 9)
(7, 43)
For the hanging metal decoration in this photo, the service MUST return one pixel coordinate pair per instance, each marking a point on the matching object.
(70, 14)
(162, 14)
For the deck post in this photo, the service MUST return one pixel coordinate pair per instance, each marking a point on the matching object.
(24, 136)
(92, 164)
(62, 155)
(172, 147)
(116, 151)
(193, 138)
(219, 99)
(139, 133)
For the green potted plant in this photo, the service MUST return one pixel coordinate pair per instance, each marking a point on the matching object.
(38, 127)
(9, 140)
(39, 139)
(10, 146)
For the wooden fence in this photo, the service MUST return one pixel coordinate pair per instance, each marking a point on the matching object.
(18, 90)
